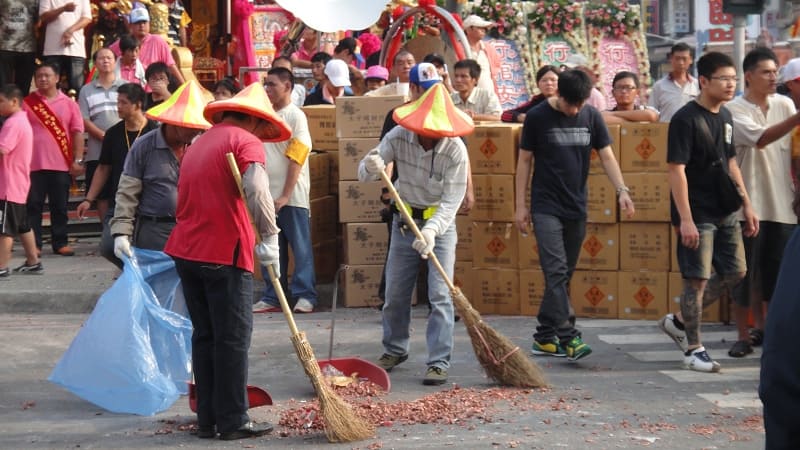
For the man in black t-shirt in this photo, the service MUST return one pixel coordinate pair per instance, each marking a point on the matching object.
(557, 139)
(116, 143)
(700, 138)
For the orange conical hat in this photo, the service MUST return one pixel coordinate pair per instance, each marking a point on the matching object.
(182, 108)
(253, 101)
(434, 115)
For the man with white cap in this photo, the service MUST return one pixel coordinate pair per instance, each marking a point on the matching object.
(432, 167)
(212, 246)
(144, 211)
(337, 77)
(790, 78)
(152, 47)
(482, 51)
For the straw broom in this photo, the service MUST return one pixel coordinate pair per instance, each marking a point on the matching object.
(501, 359)
(341, 423)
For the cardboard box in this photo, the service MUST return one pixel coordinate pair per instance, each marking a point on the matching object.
(594, 294)
(365, 243)
(326, 260)
(650, 195)
(674, 241)
(319, 171)
(494, 198)
(675, 289)
(322, 126)
(644, 246)
(494, 245)
(351, 152)
(464, 226)
(595, 166)
(363, 117)
(528, 253)
(333, 180)
(642, 295)
(496, 291)
(493, 148)
(360, 285)
(531, 291)
(360, 202)
(601, 200)
(644, 147)
(600, 248)
(463, 278)
(324, 212)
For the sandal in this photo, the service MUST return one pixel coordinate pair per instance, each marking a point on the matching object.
(740, 349)
(756, 337)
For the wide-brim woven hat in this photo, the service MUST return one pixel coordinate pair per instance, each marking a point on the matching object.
(183, 108)
(434, 115)
(252, 101)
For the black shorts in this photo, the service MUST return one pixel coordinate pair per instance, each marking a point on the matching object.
(13, 218)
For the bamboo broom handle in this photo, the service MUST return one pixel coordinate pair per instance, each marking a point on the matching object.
(413, 225)
(276, 283)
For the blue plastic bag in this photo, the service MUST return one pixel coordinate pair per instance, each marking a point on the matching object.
(133, 353)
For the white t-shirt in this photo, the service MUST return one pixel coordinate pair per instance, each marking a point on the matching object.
(767, 171)
(278, 163)
(56, 28)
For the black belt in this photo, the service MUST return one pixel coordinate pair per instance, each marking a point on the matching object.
(156, 219)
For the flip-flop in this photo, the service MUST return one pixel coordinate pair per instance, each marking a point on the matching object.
(740, 349)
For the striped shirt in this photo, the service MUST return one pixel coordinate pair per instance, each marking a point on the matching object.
(99, 106)
(425, 178)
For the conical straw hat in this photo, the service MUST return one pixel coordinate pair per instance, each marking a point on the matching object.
(253, 101)
(434, 115)
(183, 108)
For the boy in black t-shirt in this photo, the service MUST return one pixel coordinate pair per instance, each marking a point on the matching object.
(701, 135)
(561, 133)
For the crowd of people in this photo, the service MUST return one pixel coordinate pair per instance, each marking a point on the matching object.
(732, 174)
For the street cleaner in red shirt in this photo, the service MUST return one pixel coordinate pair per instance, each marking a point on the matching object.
(212, 245)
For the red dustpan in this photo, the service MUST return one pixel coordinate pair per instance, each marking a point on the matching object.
(255, 396)
(348, 366)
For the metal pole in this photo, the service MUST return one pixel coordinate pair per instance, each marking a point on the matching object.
(739, 22)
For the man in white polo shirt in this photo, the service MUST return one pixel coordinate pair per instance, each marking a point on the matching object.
(678, 87)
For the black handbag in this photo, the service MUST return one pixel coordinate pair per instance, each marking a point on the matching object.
(729, 194)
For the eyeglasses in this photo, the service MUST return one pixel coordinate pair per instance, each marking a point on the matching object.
(726, 79)
(625, 88)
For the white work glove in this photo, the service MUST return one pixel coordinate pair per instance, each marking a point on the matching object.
(374, 164)
(122, 246)
(425, 246)
(269, 253)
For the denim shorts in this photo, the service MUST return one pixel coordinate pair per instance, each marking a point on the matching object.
(720, 247)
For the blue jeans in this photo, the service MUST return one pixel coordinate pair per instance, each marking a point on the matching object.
(559, 242)
(220, 300)
(402, 266)
(54, 186)
(295, 226)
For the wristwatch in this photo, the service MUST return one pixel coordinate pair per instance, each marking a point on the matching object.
(622, 189)
(79, 162)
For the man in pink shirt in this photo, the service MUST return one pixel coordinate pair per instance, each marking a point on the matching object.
(152, 48)
(58, 142)
(16, 147)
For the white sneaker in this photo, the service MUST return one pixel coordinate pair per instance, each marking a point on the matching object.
(667, 325)
(303, 306)
(699, 361)
(264, 307)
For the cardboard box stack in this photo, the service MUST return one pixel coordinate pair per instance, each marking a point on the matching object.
(364, 238)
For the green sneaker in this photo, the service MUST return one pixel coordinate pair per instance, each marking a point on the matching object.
(435, 376)
(552, 348)
(387, 361)
(577, 349)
